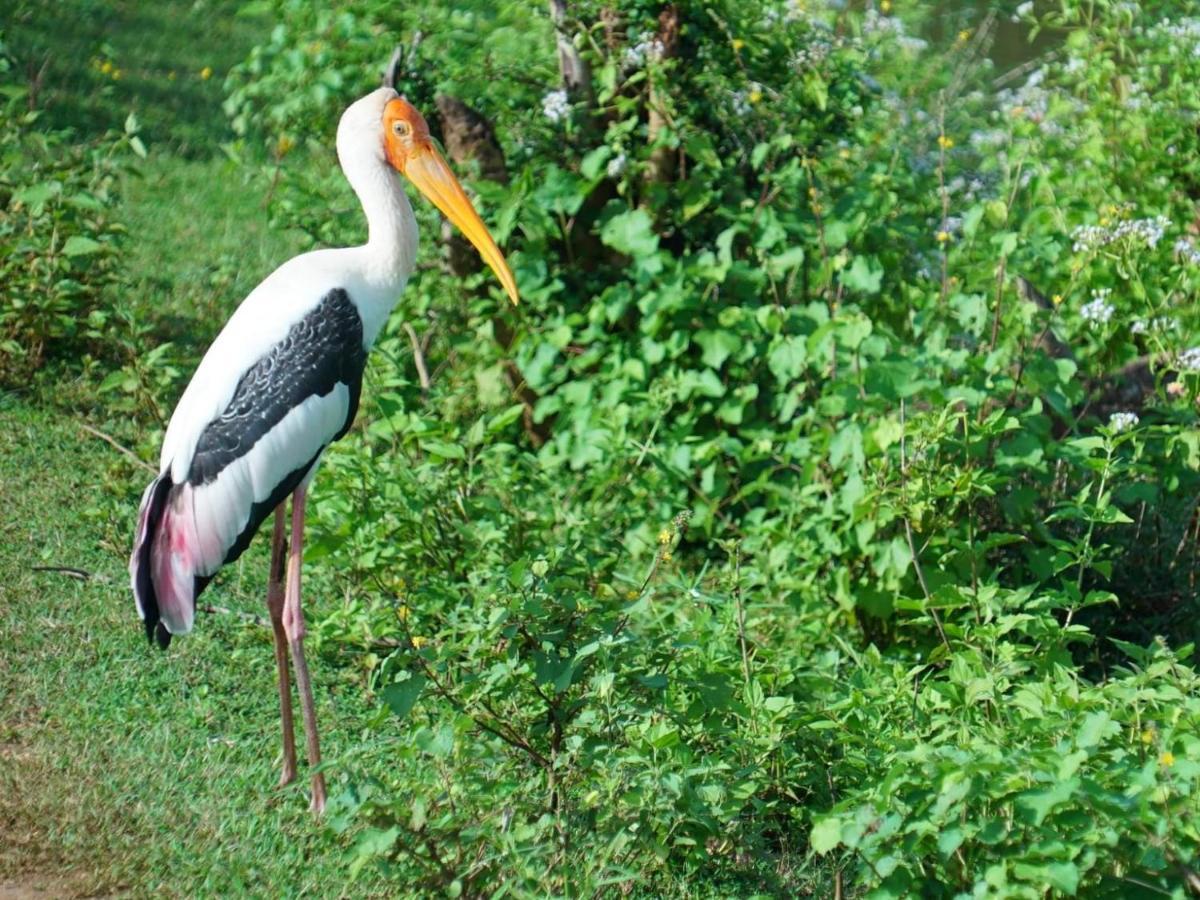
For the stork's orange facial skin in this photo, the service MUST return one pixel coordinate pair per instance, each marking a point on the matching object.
(410, 151)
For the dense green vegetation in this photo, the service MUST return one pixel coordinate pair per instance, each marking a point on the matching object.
(824, 519)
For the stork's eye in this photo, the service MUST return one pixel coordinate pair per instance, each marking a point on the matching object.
(401, 128)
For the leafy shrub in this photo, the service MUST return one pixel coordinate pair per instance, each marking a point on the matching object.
(915, 354)
(59, 236)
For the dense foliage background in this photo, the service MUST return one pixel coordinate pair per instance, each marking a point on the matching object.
(824, 518)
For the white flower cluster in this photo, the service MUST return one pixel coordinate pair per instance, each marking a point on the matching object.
(1022, 11)
(1030, 100)
(648, 47)
(1187, 252)
(1189, 360)
(1122, 421)
(1185, 31)
(969, 189)
(880, 26)
(1098, 310)
(556, 105)
(1092, 237)
(813, 55)
(1158, 323)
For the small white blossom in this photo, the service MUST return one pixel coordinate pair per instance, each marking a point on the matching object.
(1122, 421)
(1022, 11)
(1098, 310)
(1157, 324)
(556, 105)
(648, 47)
(1189, 359)
(1187, 252)
(616, 166)
(1147, 231)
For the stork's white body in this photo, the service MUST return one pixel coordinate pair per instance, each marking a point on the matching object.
(210, 517)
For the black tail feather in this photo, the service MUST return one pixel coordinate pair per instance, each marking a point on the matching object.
(143, 583)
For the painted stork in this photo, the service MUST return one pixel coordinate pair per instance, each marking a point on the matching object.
(279, 384)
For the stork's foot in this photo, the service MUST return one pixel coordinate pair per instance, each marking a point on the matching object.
(317, 806)
(287, 776)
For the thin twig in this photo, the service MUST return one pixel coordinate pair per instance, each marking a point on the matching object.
(95, 432)
(418, 356)
(912, 547)
(741, 610)
(71, 571)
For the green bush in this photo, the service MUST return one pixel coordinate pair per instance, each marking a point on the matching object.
(810, 518)
(59, 237)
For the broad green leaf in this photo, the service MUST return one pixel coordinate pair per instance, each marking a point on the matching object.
(826, 834)
(864, 275)
(401, 696)
(77, 245)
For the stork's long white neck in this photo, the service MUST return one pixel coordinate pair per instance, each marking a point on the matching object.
(391, 226)
(382, 265)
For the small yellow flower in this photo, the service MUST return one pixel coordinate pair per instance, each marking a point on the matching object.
(418, 642)
(1104, 220)
(964, 35)
(817, 208)
(116, 74)
(206, 73)
(171, 76)
(1148, 736)
(1167, 759)
(754, 97)
(402, 612)
(631, 594)
(664, 536)
(844, 153)
(106, 67)
(944, 142)
(943, 237)
(666, 556)
(885, 6)
(738, 43)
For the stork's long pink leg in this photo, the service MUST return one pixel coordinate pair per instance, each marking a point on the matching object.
(293, 623)
(275, 607)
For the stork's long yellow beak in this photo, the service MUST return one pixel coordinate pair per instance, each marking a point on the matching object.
(433, 178)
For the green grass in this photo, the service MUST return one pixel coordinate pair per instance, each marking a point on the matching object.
(156, 56)
(123, 768)
(203, 241)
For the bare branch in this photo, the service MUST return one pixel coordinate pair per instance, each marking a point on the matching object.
(104, 437)
(418, 357)
(576, 74)
(391, 74)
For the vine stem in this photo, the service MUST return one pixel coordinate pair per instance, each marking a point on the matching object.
(908, 532)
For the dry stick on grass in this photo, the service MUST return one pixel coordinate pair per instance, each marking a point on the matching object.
(912, 546)
(95, 432)
(69, 571)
